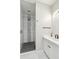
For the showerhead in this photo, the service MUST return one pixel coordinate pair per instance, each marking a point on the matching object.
(28, 10)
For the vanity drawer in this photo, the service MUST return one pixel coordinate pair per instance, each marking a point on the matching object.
(51, 49)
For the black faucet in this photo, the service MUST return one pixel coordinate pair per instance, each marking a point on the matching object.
(56, 36)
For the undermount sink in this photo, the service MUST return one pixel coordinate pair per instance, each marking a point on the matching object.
(52, 39)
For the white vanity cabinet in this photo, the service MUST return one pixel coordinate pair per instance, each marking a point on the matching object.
(51, 49)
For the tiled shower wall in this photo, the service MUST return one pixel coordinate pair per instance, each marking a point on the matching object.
(29, 29)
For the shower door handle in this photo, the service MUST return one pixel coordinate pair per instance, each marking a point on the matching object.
(49, 46)
(21, 31)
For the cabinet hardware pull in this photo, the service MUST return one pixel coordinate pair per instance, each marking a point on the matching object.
(49, 46)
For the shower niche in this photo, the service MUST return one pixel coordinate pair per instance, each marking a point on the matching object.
(27, 26)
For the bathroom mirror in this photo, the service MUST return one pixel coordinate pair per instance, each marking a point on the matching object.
(55, 19)
(56, 22)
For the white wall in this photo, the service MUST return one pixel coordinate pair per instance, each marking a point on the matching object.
(43, 19)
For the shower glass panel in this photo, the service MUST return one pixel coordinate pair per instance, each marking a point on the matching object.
(27, 21)
(29, 28)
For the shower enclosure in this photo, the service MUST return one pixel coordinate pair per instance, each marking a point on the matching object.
(27, 31)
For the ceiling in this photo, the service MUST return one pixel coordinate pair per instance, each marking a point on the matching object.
(31, 1)
(48, 2)
(30, 5)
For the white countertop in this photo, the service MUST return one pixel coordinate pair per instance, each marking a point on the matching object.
(52, 39)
